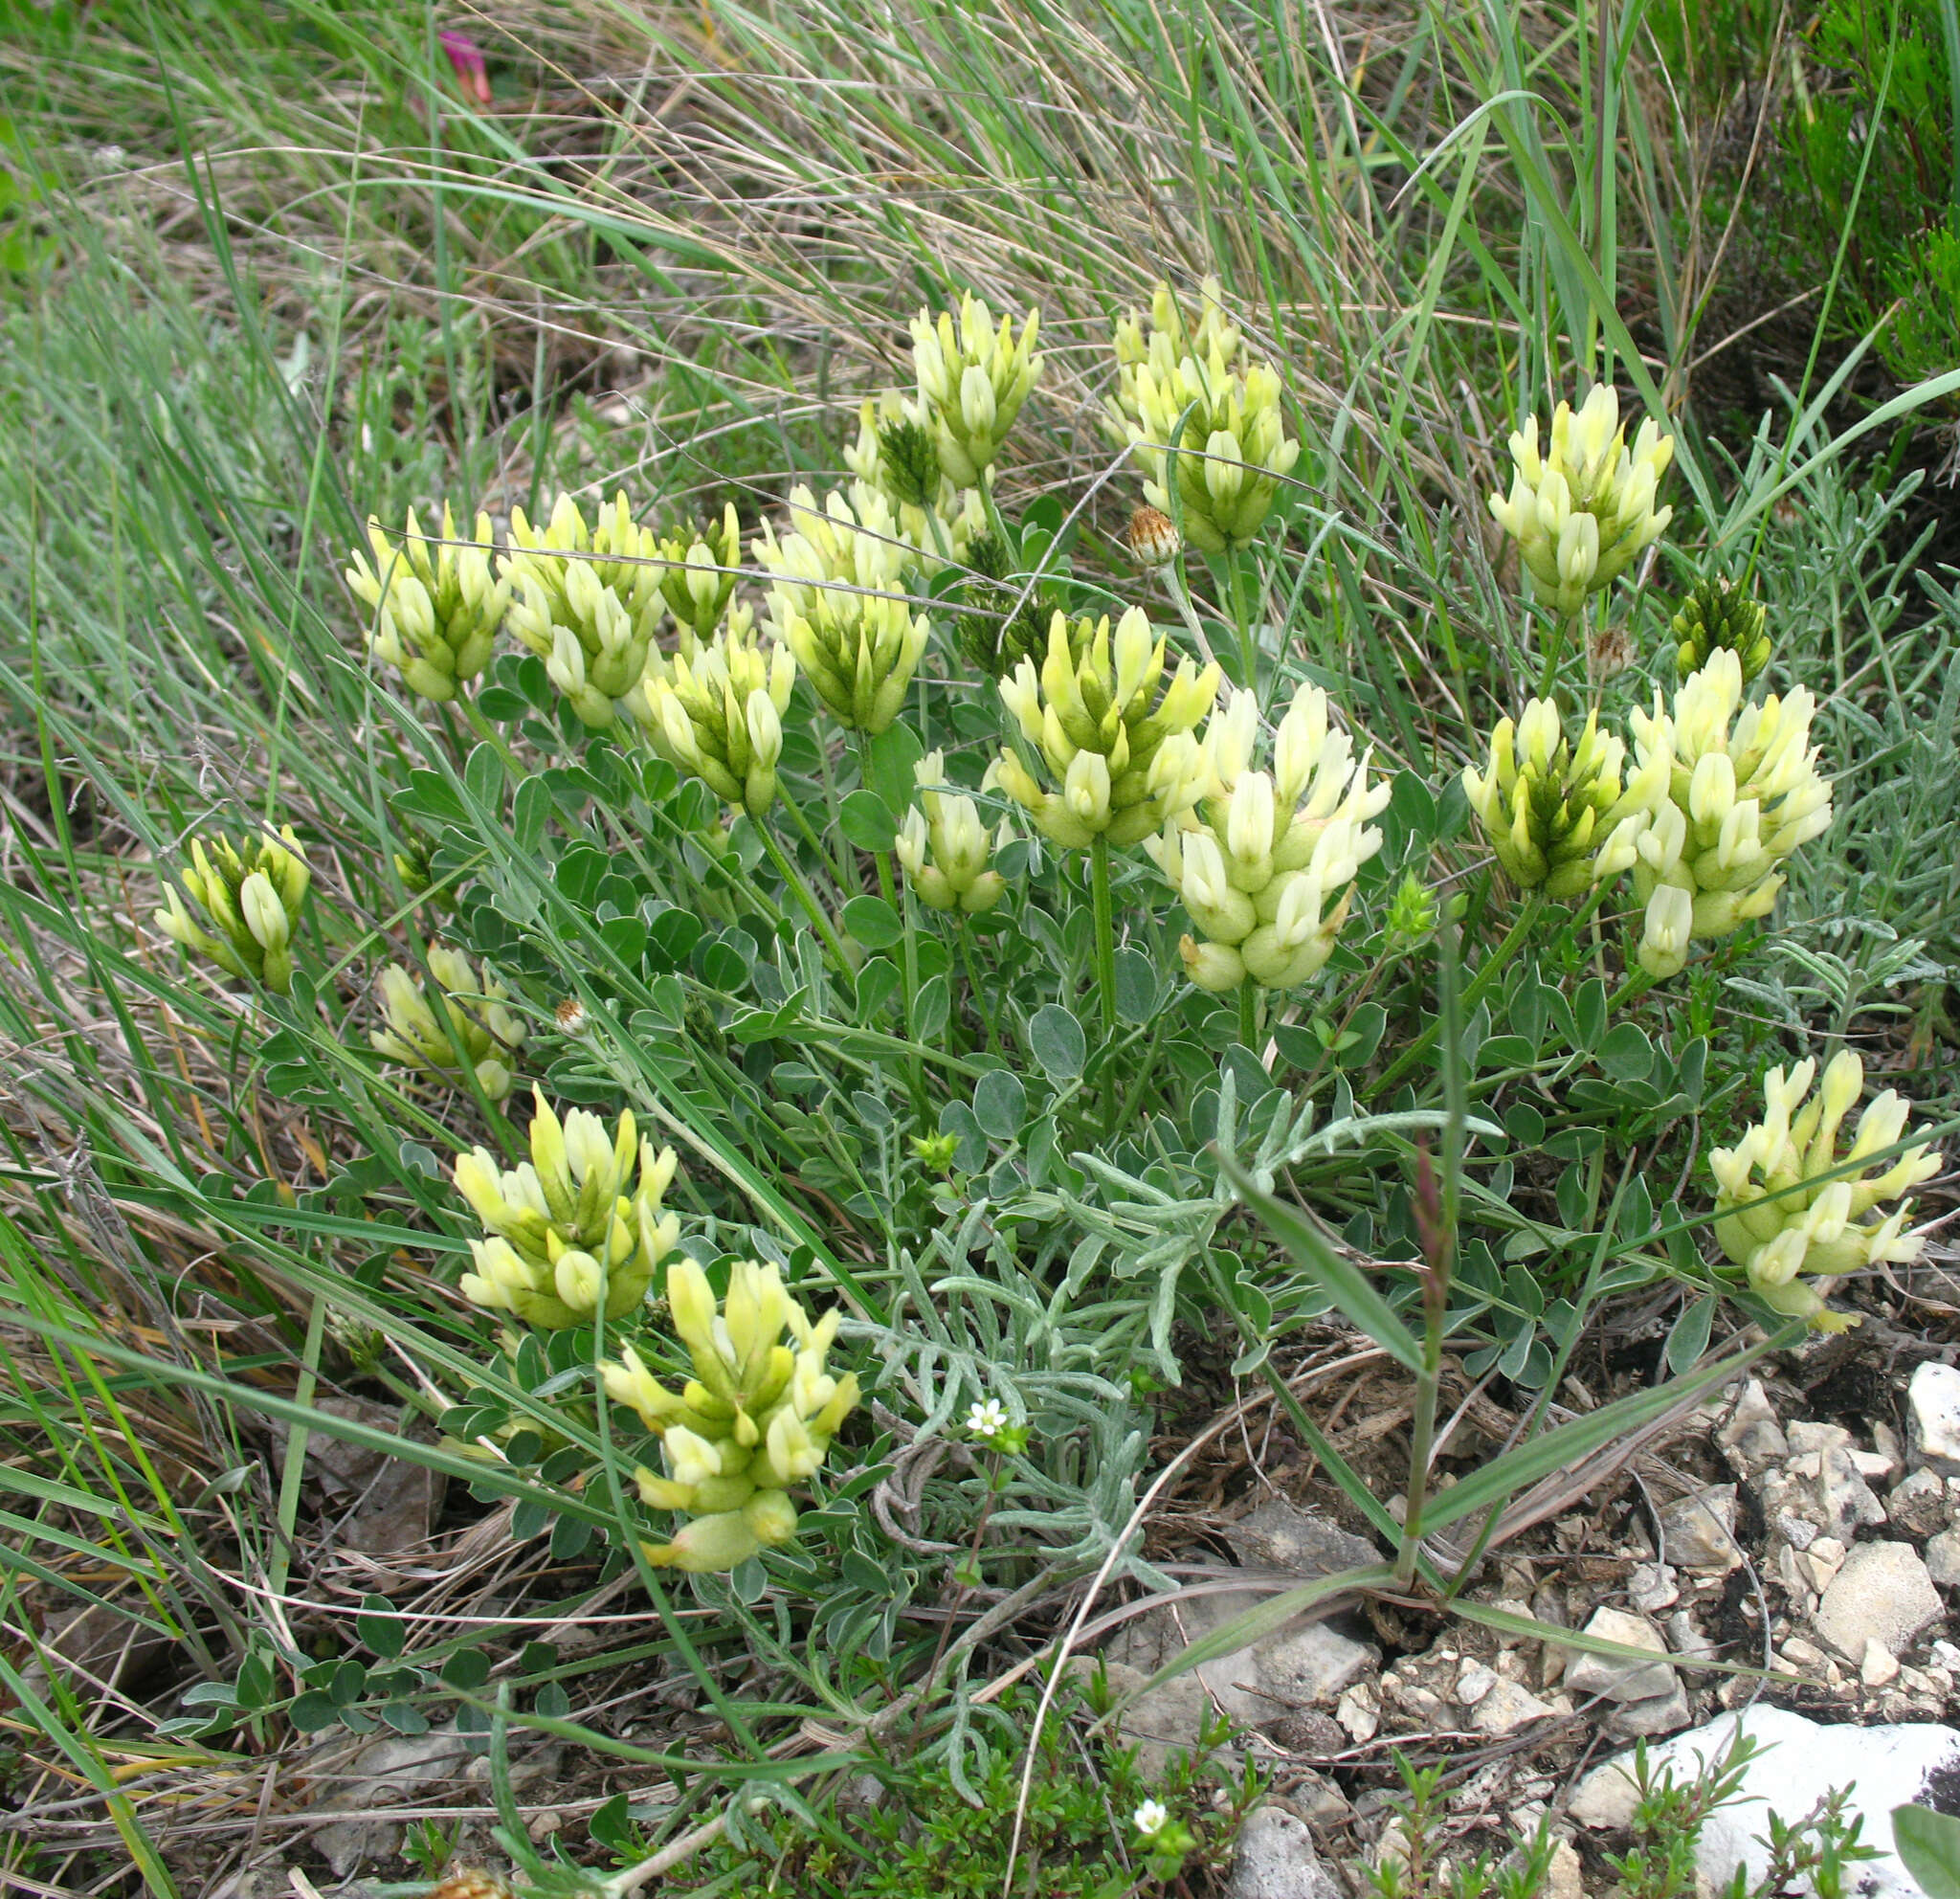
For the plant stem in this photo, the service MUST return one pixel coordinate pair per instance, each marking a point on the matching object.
(1249, 1014)
(1241, 615)
(1421, 1438)
(1488, 970)
(1105, 932)
(794, 879)
(1556, 652)
(973, 988)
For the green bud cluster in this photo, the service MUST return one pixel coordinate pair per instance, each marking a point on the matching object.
(568, 1221)
(250, 897)
(487, 1032)
(1544, 807)
(436, 609)
(1716, 615)
(757, 1418)
(995, 646)
(1121, 759)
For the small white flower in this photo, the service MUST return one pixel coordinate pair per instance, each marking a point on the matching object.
(1151, 1819)
(988, 1419)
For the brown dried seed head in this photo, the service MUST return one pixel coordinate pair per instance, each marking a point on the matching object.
(1152, 538)
(571, 1022)
(471, 1882)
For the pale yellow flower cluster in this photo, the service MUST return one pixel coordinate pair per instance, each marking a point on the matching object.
(250, 896)
(1546, 807)
(487, 1032)
(1120, 758)
(1720, 796)
(943, 846)
(1781, 1222)
(436, 609)
(974, 377)
(838, 604)
(571, 1218)
(586, 600)
(718, 716)
(1733, 791)
(1583, 510)
(1265, 861)
(1234, 449)
(757, 1417)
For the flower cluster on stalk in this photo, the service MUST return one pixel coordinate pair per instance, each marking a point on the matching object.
(974, 377)
(584, 1213)
(586, 600)
(1546, 806)
(1234, 451)
(1583, 509)
(838, 604)
(1265, 861)
(435, 609)
(697, 577)
(1784, 1220)
(943, 845)
(1735, 790)
(757, 1418)
(479, 1024)
(1120, 757)
(248, 898)
(718, 715)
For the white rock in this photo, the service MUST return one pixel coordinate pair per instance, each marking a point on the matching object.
(1699, 1531)
(1506, 1707)
(1473, 1683)
(1800, 1762)
(1275, 1859)
(1943, 1558)
(1806, 1436)
(1878, 1664)
(1564, 1876)
(1606, 1798)
(1612, 1677)
(1652, 1588)
(1753, 1437)
(1301, 1663)
(1659, 1714)
(1795, 1530)
(1359, 1712)
(1874, 1467)
(1932, 1418)
(1827, 1550)
(1686, 1639)
(1846, 1501)
(1882, 1590)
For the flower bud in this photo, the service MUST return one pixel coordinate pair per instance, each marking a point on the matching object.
(435, 609)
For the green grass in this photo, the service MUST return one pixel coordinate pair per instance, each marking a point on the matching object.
(312, 282)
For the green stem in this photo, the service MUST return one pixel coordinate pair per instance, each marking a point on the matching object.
(846, 880)
(1421, 1439)
(1249, 1014)
(1556, 653)
(486, 731)
(975, 990)
(794, 879)
(1105, 932)
(1180, 597)
(1488, 970)
(1241, 615)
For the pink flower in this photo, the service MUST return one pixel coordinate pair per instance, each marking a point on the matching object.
(467, 58)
